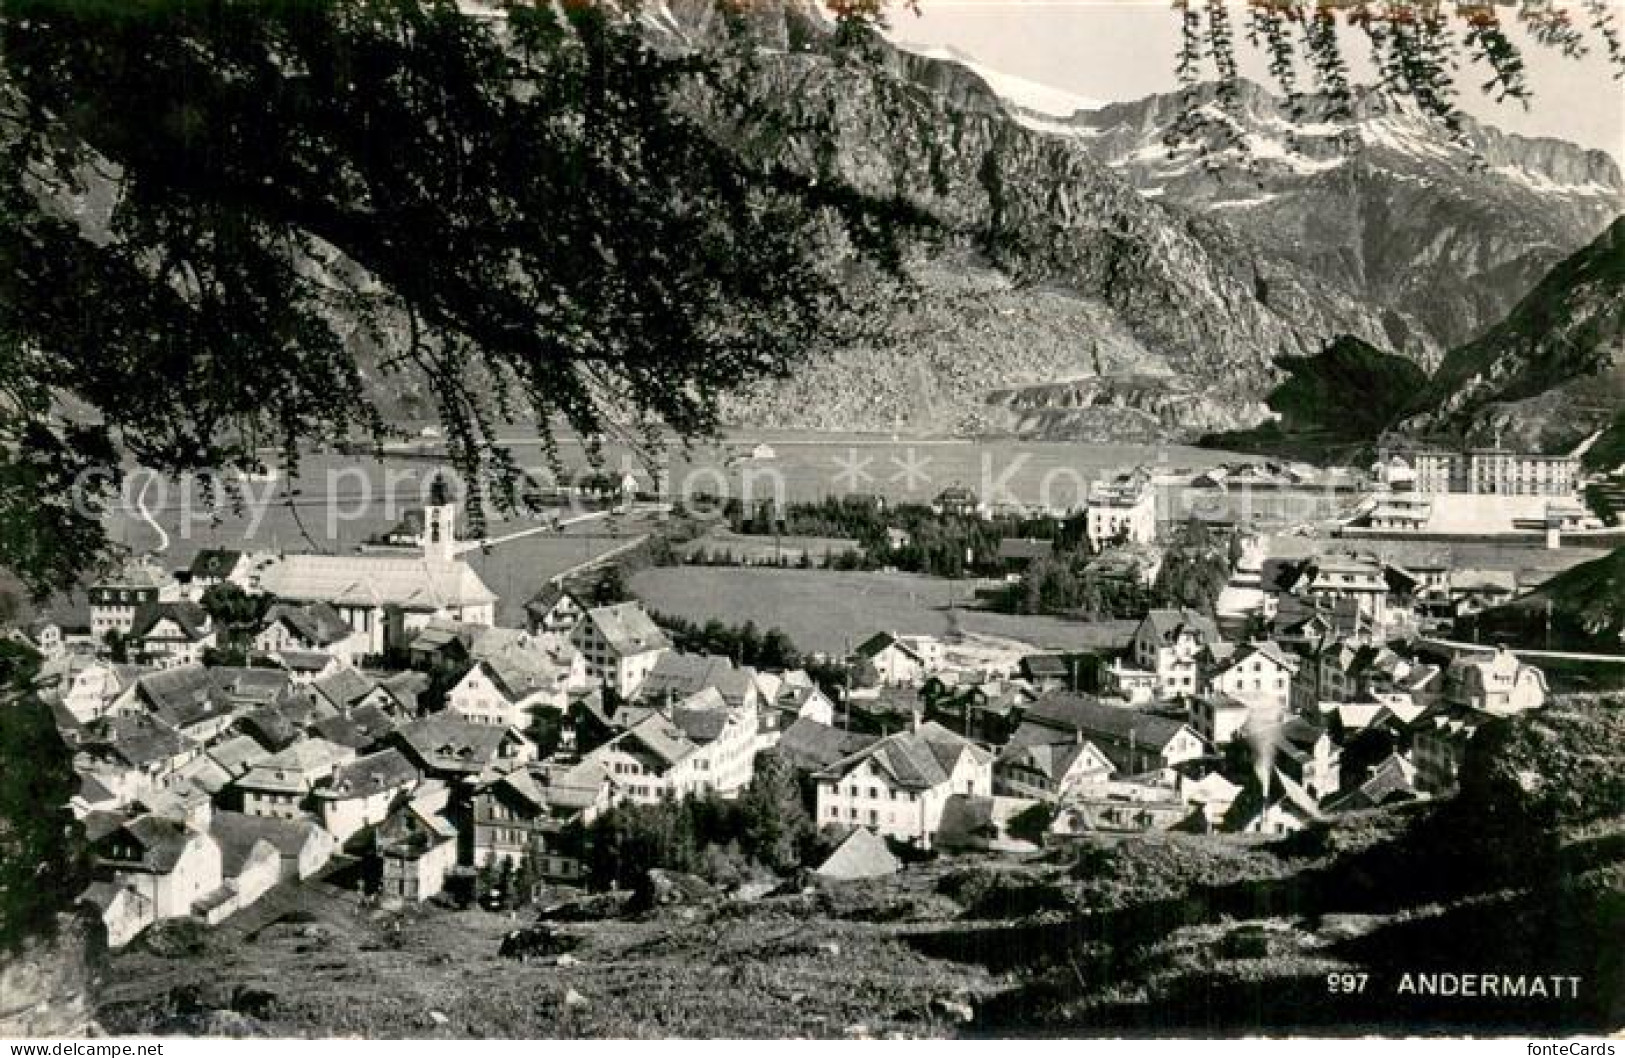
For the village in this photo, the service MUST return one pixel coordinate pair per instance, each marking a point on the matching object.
(377, 725)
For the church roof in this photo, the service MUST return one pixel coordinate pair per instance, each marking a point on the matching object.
(416, 583)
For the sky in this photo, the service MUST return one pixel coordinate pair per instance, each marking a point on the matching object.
(1113, 50)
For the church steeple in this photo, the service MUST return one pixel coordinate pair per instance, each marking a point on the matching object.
(439, 537)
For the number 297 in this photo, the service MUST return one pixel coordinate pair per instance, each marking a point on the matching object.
(1347, 984)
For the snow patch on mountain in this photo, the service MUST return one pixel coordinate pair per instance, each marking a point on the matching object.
(1038, 99)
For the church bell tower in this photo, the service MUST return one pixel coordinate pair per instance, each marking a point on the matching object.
(439, 537)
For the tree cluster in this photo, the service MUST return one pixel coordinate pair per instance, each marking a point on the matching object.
(744, 643)
(766, 827)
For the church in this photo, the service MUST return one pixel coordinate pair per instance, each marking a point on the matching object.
(388, 598)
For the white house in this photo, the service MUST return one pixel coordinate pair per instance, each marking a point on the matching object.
(1123, 510)
(314, 628)
(1168, 646)
(621, 644)
(170, 864)
(172, 634)
(898, 786)
(281, 784)
(1257, 673)
(1050, 771)
(704, 746)
(361, 793)
(897, 662)
(1499, 684)
(117, 597)
(506, 688)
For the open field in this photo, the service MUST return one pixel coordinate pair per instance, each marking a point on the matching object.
(832, 612)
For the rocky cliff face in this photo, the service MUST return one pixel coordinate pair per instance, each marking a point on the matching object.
(1553, 371)
(45, 987)
(1193, 312)
(1444, 232)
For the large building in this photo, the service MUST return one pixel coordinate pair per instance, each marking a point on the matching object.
(1486, 471)
(384, 598)
(1123, 510)
(622, 644)
(116, 598)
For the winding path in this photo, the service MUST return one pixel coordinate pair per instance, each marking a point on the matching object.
(146, 516)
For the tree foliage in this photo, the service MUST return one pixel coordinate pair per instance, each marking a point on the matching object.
(43, 863)
(767, 825)
(1418, 48)
(264, 204)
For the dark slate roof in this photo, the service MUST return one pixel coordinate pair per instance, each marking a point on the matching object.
(288, 836)
(1069, 713)
(368, 775)
(141, 740)
(1045, 667)
(684, 674)
(544, 601)
(318, 623)
(912, 759)
(344, 688)
(447, 743)
(812, 746)
(359, 728)
(1166, 624)
(162, 841)
(191, 618)
(214, 562)
(702, 717)
(876, 645)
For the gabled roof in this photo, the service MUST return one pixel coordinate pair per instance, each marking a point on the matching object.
(237, 755)
(1253, 801)
(575, 787)
(359, 728)
(415, 584)
(344, 687)
(135, 573)
(1045, 667)
(518, 674)
(662, 738)
(627, 628)
(703, 716)
(161, 842)
(684, 674)
(812, 746)
(878, 643)
(289, 837)
(918, 760)
(446, 742)
(1096, 720)
(192, 693)
(1050, 759)
(1392, 780)
(543, 602)
(1268, 650)
(317, 623)
(140, 740)
(189, 617)
(1166, 625)
(863, 854)
(294, 768)
(365, 776)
